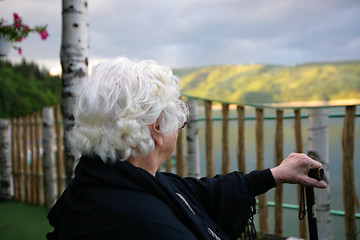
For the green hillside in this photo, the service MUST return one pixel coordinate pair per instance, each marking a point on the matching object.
(24, 88)
(274, 84)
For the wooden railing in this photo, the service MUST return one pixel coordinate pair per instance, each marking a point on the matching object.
(35, 166)
(348, 139)
(33, 159)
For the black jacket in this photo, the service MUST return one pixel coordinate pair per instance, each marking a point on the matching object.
(126, 202)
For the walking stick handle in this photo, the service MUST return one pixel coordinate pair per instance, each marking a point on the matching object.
(316, 173)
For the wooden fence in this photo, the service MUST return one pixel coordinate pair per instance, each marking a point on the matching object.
(30, 158)
(348, 139)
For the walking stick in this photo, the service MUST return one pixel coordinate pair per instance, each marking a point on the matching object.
(317, 173)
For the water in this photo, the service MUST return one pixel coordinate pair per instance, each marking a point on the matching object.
(290, 217)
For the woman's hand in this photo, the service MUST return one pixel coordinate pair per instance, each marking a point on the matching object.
(295, 169)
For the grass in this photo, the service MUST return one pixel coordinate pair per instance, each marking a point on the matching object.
(23, 221)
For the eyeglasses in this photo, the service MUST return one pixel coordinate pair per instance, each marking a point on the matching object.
(184, 125)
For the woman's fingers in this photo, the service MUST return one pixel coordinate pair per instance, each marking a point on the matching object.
(295, 169)
(312, 182)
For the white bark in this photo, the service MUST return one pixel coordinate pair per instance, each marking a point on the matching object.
(74, 62)
(193, 158)
(319, 147)
(49, 155)
(5, 166)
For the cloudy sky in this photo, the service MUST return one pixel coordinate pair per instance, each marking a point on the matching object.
(187, 33)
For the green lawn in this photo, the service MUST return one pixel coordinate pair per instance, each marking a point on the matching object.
(22, 221)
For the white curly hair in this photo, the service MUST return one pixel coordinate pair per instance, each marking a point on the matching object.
(119, 101)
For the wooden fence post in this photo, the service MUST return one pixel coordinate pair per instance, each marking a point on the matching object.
(33, 159)
(225, 140)
(319, 149)
(5, 166)
(279, 156)
(210, 171)
(349, 193)
(49, 156)
(20, 161)
(26, 159)
(263, 209)
(60, 150)
(180, 159)
(36, 158)
(193, 157)
(39, 161)
(169, 165)
(14, 157)
(241, 139)
(299, 148)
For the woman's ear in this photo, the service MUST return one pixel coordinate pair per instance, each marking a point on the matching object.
(156, 133)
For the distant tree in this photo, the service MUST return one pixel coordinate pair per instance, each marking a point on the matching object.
(24, 89)
(74, 62)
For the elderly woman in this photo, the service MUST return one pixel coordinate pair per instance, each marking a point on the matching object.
(127, 121)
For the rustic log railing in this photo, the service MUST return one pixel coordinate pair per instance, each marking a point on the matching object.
(349, 193)
(27, 157)
(279, 156)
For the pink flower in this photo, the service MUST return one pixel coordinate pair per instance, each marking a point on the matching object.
(44, 34)
(18, 24)
(18, 31)
(16, 17)
(17, 21)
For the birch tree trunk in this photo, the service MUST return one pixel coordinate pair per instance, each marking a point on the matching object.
(193, 158)
(5, 167)
(74, 62)
(49, 155)
(319, 150)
